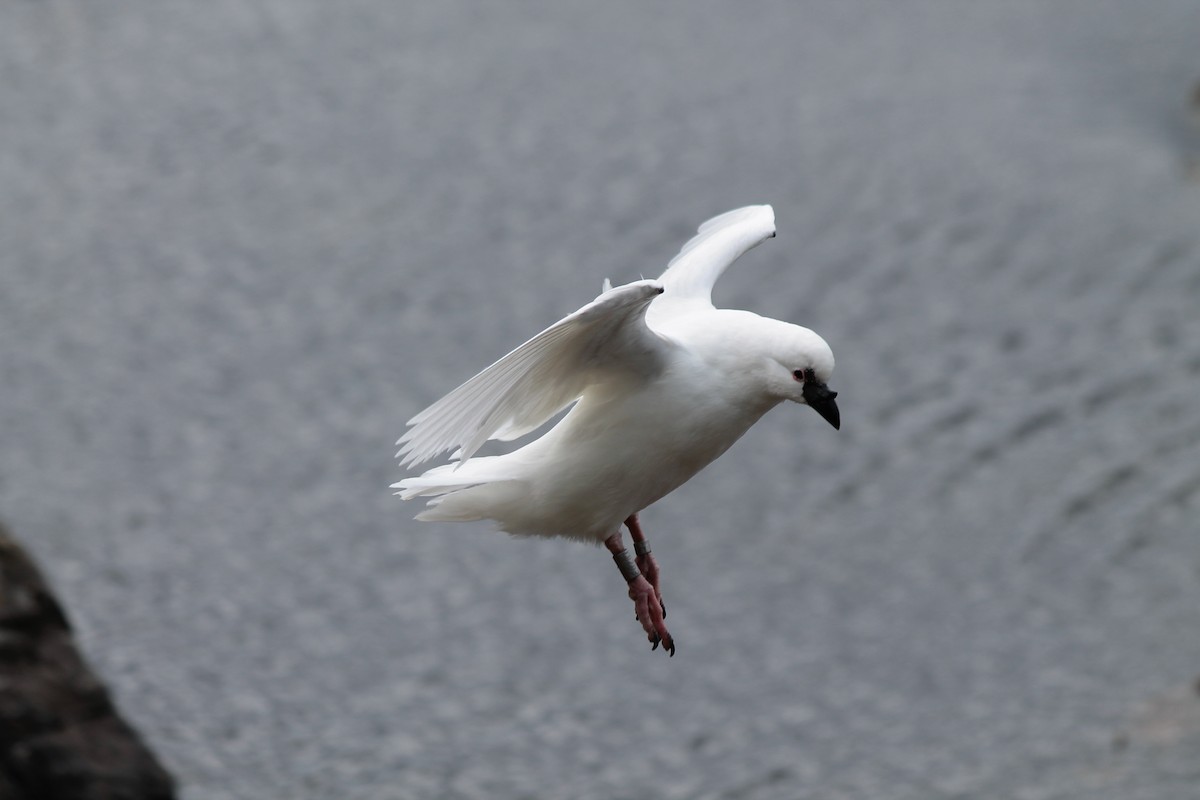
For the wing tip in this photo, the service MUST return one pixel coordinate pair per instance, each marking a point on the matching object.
(743, 212)
(760, 219)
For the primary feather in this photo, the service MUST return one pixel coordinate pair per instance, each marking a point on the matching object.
(535, 381)
(719, 242)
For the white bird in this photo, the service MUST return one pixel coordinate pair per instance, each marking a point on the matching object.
(662, 384)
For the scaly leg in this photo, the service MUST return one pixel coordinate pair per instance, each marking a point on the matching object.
(647, 609)
(645, 560)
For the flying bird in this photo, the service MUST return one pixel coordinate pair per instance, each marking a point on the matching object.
(660, 383)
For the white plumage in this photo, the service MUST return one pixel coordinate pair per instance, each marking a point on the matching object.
(662, 384)
(664, 381)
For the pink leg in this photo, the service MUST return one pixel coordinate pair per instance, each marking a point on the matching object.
(647, 608)
(645, 559)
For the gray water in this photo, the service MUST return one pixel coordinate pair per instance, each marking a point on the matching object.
(240, 244)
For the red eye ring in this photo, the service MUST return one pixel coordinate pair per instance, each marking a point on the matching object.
(798, 375)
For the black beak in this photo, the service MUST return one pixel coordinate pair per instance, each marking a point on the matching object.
(820, 398)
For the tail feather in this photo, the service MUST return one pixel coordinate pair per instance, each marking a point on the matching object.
(483, 501)
(481, 489)
(451, 477)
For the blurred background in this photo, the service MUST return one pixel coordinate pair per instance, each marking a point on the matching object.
(242, 243)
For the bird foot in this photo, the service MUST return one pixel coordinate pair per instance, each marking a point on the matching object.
(649, 568)
(645, 560)
(643, 585)
(648, 610)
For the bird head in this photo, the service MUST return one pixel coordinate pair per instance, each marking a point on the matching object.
(801, 365)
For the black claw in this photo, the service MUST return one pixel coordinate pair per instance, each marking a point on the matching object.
(670, 648)
(654, 642)
(663, 606)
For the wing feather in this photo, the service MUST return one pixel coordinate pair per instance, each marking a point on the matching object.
(525, 388)
(719, 242)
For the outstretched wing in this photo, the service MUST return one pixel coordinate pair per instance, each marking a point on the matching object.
(719, 242)
(550, 371)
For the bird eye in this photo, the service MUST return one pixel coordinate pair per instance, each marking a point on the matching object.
(799, 375)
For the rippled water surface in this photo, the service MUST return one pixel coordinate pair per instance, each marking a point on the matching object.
(240, 244)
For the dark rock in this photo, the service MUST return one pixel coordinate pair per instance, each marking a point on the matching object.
(61, 737)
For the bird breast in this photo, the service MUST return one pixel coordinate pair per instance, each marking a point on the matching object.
(618, 452)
